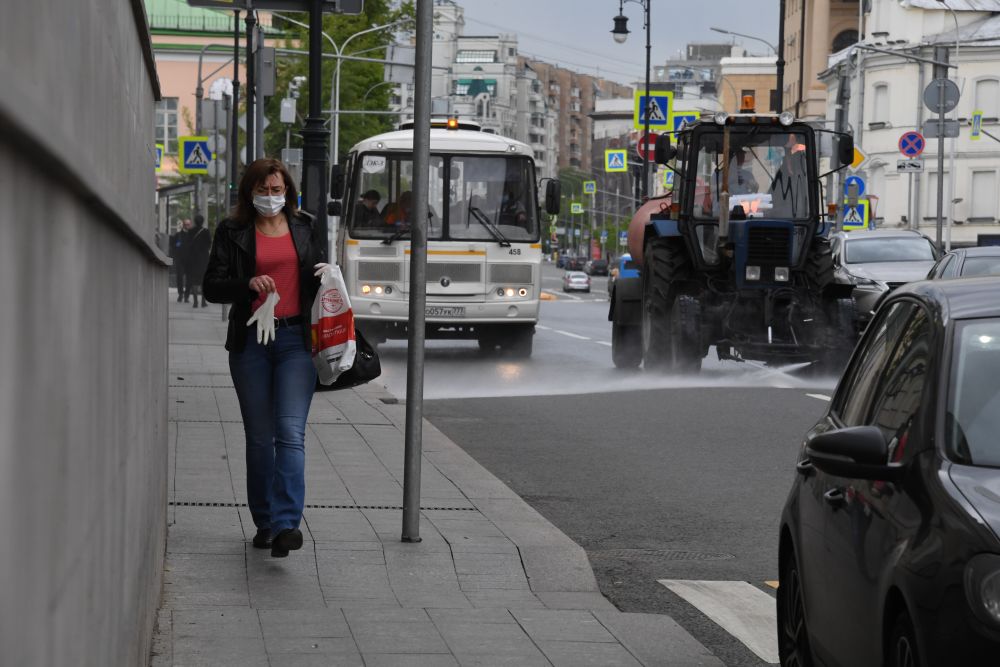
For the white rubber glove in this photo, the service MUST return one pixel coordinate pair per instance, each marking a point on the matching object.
(264, 317)
(320, 268)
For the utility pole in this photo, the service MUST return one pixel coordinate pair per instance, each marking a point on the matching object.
(314, 133)
(840, 125)
(234, 144)
(252, 46)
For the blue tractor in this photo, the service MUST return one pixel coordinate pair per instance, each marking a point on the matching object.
(739, 258)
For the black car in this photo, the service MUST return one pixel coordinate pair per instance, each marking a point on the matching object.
(596, 267)
(889, 550)
(968, 262)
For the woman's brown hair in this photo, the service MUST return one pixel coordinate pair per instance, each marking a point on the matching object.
(255, 174)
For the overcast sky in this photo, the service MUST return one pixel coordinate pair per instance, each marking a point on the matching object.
(577, 33)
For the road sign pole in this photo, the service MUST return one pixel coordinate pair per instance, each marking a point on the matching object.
(645, 163)
(941, 55)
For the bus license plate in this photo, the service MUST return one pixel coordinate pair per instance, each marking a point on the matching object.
(445, 311)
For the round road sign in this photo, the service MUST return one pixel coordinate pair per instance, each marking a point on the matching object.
(646, 146)
(941, 91)
(912, 144)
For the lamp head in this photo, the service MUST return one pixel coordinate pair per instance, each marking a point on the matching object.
(620, 31)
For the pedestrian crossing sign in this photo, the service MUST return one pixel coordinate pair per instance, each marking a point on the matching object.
(589, 187)
(856, 216)
(668, 179)
(576, 207)
(195, 155)
(659, 107)
(158, 156)
(679, 118)
(615, 159)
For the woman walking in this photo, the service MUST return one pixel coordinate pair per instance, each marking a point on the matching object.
(267, 245)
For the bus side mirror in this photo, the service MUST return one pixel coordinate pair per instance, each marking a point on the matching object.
(334, 208)
(336, 182)
(845, 150)
(553, 192)
(664, 151)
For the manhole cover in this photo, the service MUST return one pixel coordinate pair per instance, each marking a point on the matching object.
(647, 555)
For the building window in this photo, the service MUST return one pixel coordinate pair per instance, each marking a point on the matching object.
(166, 124)
(476, 57)
(984, 196)
(775, 100)
(987, 98)
(844, 39)
(880, 106)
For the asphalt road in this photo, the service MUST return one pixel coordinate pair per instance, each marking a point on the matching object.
(656, 477)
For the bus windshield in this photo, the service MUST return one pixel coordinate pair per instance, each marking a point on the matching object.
(488, 198)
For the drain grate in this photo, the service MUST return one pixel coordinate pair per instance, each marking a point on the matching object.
(325, 507)
(653, 555)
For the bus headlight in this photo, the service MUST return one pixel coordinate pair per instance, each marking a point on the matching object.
(753, 273)
(781, 274)
(522, 292)
(379, 290)
(366, 289)
(509, 292)
(376, 290)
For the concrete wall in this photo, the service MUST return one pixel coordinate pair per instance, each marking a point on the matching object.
(83, 325)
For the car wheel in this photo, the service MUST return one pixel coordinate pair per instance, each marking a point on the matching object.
(793, 634)
(902, 647)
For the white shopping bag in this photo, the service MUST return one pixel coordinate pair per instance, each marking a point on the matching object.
(333, 338)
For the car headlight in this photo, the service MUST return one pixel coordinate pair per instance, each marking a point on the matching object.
(860, 281)
(982, 587)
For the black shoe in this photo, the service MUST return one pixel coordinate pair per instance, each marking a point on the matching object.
(287, 540)
(179, 297)
(204, 304)
(185, 298)
(262, 540)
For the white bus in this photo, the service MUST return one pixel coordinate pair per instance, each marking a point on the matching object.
(483, 235)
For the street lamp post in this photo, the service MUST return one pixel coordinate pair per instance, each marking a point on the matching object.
(620, 33)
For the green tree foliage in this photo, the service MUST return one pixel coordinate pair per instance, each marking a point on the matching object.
(356, 78)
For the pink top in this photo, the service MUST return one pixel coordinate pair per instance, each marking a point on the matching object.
(276, 257)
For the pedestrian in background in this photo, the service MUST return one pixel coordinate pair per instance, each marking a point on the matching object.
(199, 246)
(268, 245)
(179, 253)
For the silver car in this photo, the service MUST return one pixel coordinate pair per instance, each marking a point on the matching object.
(879, 261)
(576, 281)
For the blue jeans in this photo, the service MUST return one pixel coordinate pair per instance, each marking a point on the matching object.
(275, 384)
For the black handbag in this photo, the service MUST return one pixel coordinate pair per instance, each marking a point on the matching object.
(365, 369)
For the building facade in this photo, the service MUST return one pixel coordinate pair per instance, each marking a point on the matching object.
(482, 78)
(749, 75)
(886, 100)
(813, 30)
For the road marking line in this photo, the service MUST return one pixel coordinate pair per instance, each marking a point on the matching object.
(543, 327)
(742, 610)
(563, 295)
(822, 397)
(602, 342)
(571, 334)
(772, 584)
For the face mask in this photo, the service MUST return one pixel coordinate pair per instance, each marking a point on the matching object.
(269, 205)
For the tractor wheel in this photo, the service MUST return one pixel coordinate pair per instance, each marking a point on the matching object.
(819, 264)
(626, 346)
(664, 343)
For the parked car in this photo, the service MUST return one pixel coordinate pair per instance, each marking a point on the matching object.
(574, 263)
(889, 551)
(966, 262)
(596, 267)
(576, 281)
(879, 261)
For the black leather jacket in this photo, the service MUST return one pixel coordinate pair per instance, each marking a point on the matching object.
(232, 263)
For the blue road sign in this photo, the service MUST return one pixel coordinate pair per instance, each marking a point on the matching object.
(680, 118)
(195, 155)
(658, 107)
(615, 159)
(912, 143)
(856, 217)
(854, 180)
(589, 187)
(604, 235)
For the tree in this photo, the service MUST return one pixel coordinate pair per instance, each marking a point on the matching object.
(356, 78)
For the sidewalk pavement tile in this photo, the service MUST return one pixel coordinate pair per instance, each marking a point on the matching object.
(380, 636)
(587, 654)
(220, 652)
(201, 580)
(278, 623)
(657, 640)
(576, 600)
(562, 569)
(216, 623)
(562, 625)
(421, 660)
(506, 599)
(284, 583)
